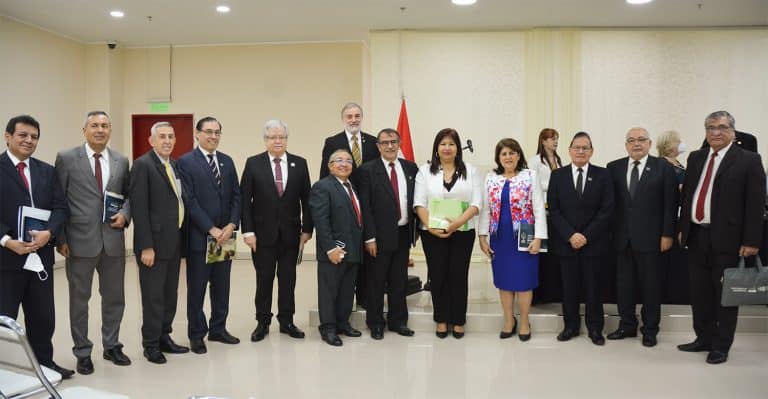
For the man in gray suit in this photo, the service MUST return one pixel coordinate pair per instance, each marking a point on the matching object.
(89, 242)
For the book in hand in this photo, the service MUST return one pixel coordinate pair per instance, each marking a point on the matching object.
(440, 209)
(525, 236)
(220, 253)
(31, 219)
(113, 203)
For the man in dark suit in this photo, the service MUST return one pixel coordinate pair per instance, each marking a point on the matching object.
(363, 148)
(339, 225)
(580, 199)
(720, 219)
(386, 191)
(26, 181)
(276, 225)
(212, 202)
(744, 140)
(86, 173)
(645, 194)
(158, 213)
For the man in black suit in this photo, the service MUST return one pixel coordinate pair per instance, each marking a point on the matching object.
(276, 225)
(27, 181)
(363, 148)
(212, 196)
(158, 213)
(744, 140)
(386, 191)
(339, 225)
(580, 199)
(720, 219)
(645, 192)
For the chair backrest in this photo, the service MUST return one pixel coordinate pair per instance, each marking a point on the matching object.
(18, 361)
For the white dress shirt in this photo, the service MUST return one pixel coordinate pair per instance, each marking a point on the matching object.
(575, 174)
(402, 187)
(15, 161)
(283, 167)
(640, 167)
(708, 199)
(430, 186)
(104, 161)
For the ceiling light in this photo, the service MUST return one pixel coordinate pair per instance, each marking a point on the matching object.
(222, 9)
(463, 2)
(116, 14)
(639, 1)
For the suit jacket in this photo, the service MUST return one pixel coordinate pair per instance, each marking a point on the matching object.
(47, 194)
(738, 197)
(85, 233)
(379, 203)
(268, 215)
(206, 203)
(642, 221)
(368, 146)
(589, 214)
(155, 207)
(335, 219)
(743, 139)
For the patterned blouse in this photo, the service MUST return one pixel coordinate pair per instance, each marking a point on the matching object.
(526, 202)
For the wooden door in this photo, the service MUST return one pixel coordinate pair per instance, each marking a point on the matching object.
(182, 126)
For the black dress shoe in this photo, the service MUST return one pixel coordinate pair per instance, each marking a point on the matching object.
(457, 334)
(695, 346)
(506, 334)
(525, 337)
(84, 365)
(441, 334)
(649, 340)
(567, 334)
(261, 331)
(717, 357)
(349, 331)
(377, 333)
(65, 373)
(168, 346)
(154, 355)
(198, 346)
(402, 330)
(597, 338)
(291, 330)
(621, 333)
(116, 356)
(331, 338)
(224, 337)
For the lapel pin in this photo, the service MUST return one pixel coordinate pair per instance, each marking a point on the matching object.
(738, 142)
(647, 168)
(589, 179)
(293, 164)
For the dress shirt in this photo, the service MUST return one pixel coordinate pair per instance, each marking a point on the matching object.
(708, 199)
(575, 174)
(176, 182)
(215, 158)
(357, 199)
(430, 186)
(359, 142)
(104, 161)
(15, 161)
(402, 187)
(283, 167)
(640, 167)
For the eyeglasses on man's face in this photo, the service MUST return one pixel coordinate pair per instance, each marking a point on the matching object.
(720, 128)
(276, 137)
(581, 148)
(387, 143)
(211, 132)
(341, 161)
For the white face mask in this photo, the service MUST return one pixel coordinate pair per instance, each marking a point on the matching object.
(681, 148)
(35, 264)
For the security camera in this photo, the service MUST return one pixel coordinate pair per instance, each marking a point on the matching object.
(112, 44)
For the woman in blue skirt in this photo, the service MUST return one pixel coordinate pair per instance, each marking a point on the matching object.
(513, 197)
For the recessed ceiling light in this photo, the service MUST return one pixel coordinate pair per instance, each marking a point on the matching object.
(639, 1)
(222, 9)
(464, 2)
(116, 14)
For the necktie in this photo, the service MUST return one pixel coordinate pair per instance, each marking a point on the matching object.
(356, 151)
(704, 187)
(634, 178)
(580, 182)
(395, 187)
(354, 203)
(20, 166)
(214, 169)
(97, 172)
(176, 191)
(278, 177)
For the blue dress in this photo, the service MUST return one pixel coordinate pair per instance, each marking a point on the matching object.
(513, 270)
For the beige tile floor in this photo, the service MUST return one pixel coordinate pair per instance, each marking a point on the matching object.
(478, 366)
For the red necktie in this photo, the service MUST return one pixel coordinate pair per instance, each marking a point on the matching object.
(354, 203)
(278, 177)
(20, 166)
(395, 187)
(704, 187)
(97, 171)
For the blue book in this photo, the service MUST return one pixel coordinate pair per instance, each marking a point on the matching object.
(113, 203)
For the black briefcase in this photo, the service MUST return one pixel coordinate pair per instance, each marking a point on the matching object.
(414, 285)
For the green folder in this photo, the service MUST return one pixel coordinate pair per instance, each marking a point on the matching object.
(440, 209)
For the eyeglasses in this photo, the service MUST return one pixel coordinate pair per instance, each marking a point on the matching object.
(212, 132)
(722, 128)
(581, 149)
(388, 143)
(281, 137)
(639, 140)
(340, 161)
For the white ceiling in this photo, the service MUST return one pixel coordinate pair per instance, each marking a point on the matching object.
(188, 22)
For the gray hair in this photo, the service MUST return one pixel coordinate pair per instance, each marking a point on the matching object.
(720, 114)
(340, 150)
(351, 105)
(664, 143)
(275, 123)
(95, 113)
(157, 125)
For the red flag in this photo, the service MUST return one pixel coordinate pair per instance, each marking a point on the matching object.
(406, 146)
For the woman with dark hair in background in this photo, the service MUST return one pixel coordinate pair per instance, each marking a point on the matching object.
(512, 198)
(448, 251)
